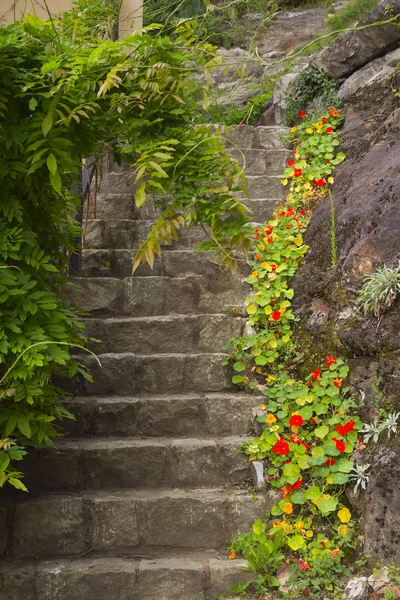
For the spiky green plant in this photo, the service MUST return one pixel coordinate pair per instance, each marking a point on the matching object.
(379, 290)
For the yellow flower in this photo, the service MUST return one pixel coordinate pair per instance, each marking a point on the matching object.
(253, 457)
(288, 508)
(270, 419)
(307, 186)
(259, 370)
(245, 380)
(319, 125)
(309, 130)
(232, 554)
(344, 515)
(284, 181)
(293, 130)
(299, 525)
(270, 378)
(254, 275)
(288, 528)
(264, 265)
(309, 533)
(274, 428)
(297, 156)
(343, 529)
(262, 407)
(253, 448)
(331, 179)
(282, 309)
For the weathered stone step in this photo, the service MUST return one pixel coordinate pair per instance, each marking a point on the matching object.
(268, 138)
(131, 463)
(127, 233)
(261, 162)
(186, 577)
(205, 416)
(123, 523)
(155, 295)
(265, 186)
(126, 373)
(164, 334)
(172, 263)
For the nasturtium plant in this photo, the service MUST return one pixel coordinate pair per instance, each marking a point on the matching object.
(310, 425)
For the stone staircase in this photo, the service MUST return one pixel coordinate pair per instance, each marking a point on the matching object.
(150, 483)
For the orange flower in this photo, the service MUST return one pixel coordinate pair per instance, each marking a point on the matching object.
(270, 419)
(232, 554)
(335, 552)
(288, 508)
(338, 382)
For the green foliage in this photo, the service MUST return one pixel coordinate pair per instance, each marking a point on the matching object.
(350, 13)
(164, 11)
(379, 290)
(64, 95)
(313, 90)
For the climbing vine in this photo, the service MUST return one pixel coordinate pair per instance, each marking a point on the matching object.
(310, 426)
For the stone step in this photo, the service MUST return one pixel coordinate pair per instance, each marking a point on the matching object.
(128, 374)
(193, 576)
(268, 138)
(261, 162)
(97, 463)
(130, 522)
(266, 186)
(154, 295)
(171, 263)
(122, 205)
(127, 233)
(164, 334)
(188, 415)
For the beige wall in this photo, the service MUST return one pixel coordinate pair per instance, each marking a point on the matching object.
(12, 10)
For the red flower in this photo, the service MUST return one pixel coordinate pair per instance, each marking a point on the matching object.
(328, 161)
(298, 172)
(343, 430)
(268, 229)
(319, 182)
(302, 114)
(286, 491)
(330, 462)
(328, 130)
(282, 214)
(288, 227)
(273, 267)
(316, 374)
(290, 211)
(290, 163)
(297, 484)
(304, 565)
(295, 150)
(313, 420)
(302, 212)
(276, 315)
(295, 439)
(281, 447)
(338, 382)
(296, 420)
(309, 383)
(258, 256)
(270, 240)
(341, 446)
(324, 119)
(330, 360)
(306, 446)
(256, 234)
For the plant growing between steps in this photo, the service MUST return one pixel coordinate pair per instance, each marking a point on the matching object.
(311, 425)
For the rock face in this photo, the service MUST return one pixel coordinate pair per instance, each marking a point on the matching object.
(150, 484)
(353, 49)
(367, 215)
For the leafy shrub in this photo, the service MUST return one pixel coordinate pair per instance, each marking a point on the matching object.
(163, 11)
(313, 90)
(350, 13)
(379, 290)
